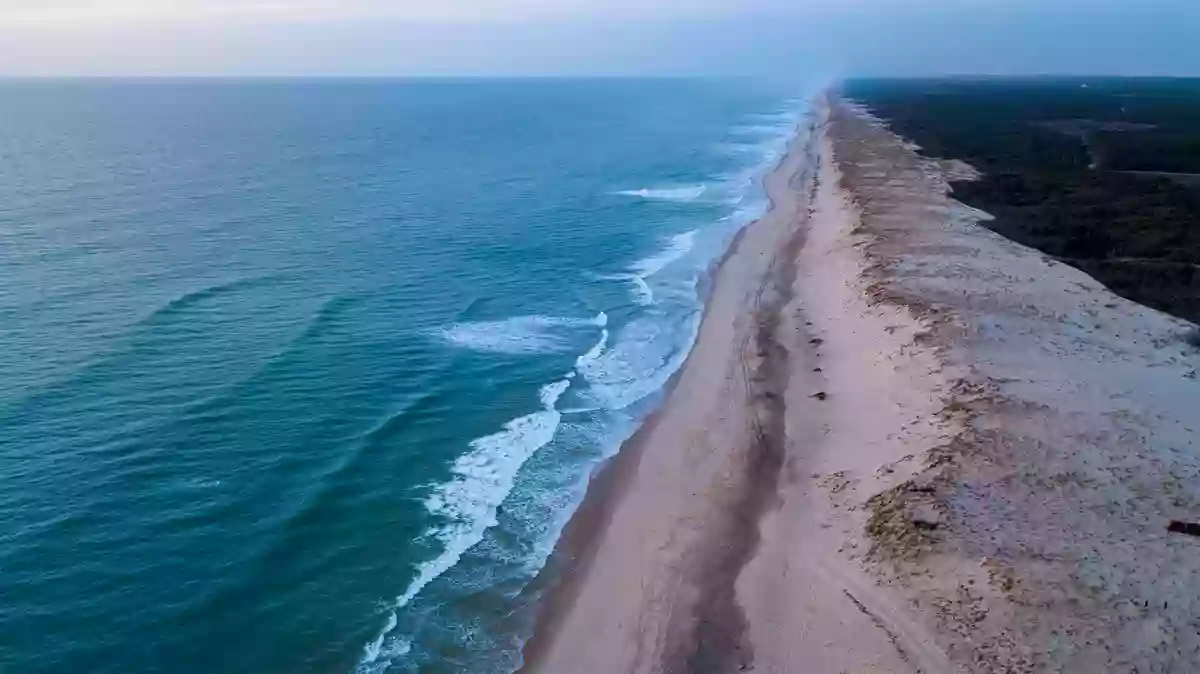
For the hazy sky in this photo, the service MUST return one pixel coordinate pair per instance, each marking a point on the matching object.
(483, 37)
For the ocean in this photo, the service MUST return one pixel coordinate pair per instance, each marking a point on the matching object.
(308, 375)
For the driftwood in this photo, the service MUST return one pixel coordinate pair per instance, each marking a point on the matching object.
(1189, 528)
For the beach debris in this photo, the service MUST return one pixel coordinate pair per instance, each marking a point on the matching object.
(925, 516)
(817, 369)
(1192, 338)
(820, 395)
(1189, 528)
(816, 341)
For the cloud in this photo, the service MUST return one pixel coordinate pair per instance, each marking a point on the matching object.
(778, 38)
(63, 13)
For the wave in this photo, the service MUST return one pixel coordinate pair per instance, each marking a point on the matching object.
(759, 130)
(326, 315)
(519, 335)
(628, 364)
(193, 297)
(740, 149)
(786, 118)
(674, 249)
(682, 193)
(769, 124)
(644, 356)
(647, 351)
(593, 354)
(468, 504)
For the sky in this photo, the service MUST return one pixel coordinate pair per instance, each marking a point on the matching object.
(772, 38)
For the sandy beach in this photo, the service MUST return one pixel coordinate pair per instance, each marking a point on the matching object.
(841, 478)
(718, 548)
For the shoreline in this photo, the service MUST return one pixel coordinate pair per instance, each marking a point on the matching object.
(577, 547)
(577, 551)
(713, 540)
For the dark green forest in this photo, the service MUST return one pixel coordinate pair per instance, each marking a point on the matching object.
(1092, 171)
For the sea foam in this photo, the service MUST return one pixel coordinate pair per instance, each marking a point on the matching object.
(683, 193)
(673, 250)
(468, 504)
(640, 361)
(519, 335)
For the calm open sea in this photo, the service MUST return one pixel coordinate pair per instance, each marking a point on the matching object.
(307, 376)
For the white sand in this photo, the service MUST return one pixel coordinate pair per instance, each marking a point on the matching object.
(811, 606)
(1077, 411)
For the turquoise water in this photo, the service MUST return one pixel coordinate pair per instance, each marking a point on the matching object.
(306, 376)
